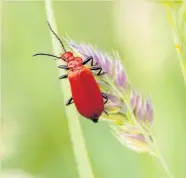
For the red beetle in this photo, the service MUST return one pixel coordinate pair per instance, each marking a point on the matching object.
(86, 94)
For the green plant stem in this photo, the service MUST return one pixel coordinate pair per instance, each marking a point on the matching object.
(81, 155)
(176, 38)
(152, 145)
(1, 117)
(163, 163)
(169, 1)
(181, 21)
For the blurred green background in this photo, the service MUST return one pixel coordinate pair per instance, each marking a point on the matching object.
(32, 103)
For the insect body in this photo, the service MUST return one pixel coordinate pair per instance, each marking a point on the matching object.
(86, 95)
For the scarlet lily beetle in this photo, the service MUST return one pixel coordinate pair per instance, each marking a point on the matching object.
(86, 94)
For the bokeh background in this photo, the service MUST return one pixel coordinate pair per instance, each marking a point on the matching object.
(35, 128)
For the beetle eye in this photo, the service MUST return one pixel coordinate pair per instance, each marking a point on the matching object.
(64, 59)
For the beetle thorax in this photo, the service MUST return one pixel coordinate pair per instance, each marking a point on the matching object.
(75, 63)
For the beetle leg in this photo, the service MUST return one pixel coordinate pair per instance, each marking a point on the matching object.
(70, 101)
(106, 97)
(63, 76)
(90, 58)
(105, 112)
(98, 68)
(45, 54)
(63, 67)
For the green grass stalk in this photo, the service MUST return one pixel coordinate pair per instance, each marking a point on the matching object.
(80, 152)
(1, 118)
(176, 37)
(169, 1)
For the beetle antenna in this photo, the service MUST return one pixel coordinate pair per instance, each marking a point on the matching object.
(45, 54)
(57, 37)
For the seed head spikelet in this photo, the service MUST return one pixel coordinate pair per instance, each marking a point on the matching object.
(130, 113)
(119, 112)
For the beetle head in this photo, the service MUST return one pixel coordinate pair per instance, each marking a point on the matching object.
(67, 56)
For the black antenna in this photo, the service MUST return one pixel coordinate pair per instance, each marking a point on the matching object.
(57, 37)
(45, 54)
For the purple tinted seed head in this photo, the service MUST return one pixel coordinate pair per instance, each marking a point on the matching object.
(105, 61)
(149, 111)
(133, 101)
(140, 114)
(141, 108)
(138, 137)
(113, 98)
(138, 101)
(138, 108)
(121, 78)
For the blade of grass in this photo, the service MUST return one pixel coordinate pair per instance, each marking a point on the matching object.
(176, 38)
(169, 1)
(1, 117)
(83, 164)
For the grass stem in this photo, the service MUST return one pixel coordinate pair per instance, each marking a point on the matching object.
(80, 152)
(176, 38)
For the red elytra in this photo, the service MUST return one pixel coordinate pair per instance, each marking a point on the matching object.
(86, 93)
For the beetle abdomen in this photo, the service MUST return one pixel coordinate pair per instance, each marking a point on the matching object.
(86, 94)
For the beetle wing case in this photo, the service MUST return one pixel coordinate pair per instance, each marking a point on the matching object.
(86, 94)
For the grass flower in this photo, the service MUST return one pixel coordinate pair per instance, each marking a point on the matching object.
(115, 84)
(130, 114)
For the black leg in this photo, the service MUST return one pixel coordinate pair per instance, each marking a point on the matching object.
(98, 68)
(70, 101)
(63, 67)
(63, 76)
(106, 97)
(45, 54)
(105, 112)
(90, 58)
